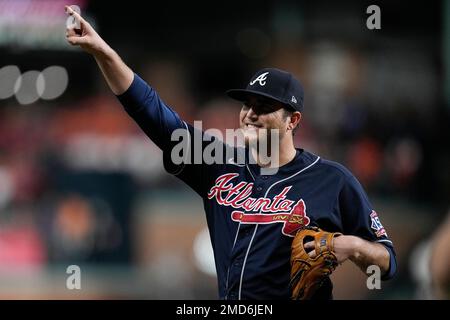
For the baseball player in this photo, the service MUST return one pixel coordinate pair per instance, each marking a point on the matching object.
(253, 216)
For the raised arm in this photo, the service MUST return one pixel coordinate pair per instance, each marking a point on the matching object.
(117, 74)
(140, 101)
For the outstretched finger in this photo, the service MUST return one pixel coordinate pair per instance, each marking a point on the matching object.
(70, 11)
(77, 17)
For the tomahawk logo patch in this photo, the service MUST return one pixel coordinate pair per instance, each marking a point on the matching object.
(376, 225)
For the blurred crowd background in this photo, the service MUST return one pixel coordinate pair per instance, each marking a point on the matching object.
(80, 184)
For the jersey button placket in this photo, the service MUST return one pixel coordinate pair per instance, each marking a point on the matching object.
(235, 272)
(237, 263)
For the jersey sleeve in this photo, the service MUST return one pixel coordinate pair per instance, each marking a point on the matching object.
(170, 133)
(155, 118)
(186, 158)
(360, 219)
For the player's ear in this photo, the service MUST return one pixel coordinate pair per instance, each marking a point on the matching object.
(294, 120)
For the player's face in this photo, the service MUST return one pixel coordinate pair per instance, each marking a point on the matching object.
(261, 113)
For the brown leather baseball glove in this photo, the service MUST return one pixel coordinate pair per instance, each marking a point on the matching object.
(308, 274)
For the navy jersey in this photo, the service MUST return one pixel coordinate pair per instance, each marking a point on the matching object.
(252, 217)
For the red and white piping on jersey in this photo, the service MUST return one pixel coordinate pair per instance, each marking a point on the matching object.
(256, 228)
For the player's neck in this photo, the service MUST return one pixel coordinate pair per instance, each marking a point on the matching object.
(287, 151)
(282, 155)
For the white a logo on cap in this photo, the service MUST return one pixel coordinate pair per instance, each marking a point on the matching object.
(261, 79)
(293, 99)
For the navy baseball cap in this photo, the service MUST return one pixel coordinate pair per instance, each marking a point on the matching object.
(275, 84)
